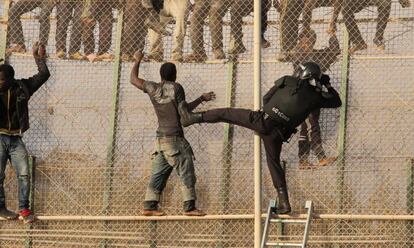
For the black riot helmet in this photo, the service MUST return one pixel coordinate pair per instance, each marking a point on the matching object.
(310, 70)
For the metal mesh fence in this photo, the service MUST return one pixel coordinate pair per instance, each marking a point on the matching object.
(93, 133)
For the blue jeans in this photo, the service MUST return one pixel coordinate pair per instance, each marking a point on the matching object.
(13, 148)
(172, 152)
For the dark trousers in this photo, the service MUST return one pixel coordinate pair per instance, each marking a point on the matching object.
(254, 120)
(289, 23)
(200, 13)
(351, 7)
(69, 11)
(15, 29)
(134, 31)
(239, 10)
(310, 137)
(101, 12)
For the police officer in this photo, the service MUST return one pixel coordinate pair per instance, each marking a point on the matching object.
(286, 105)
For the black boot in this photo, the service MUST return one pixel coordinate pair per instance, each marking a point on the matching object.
(7, 214)
(189, 205)
(283, 206)
(187, 117)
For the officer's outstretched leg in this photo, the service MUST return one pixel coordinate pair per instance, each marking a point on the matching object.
(241, 117)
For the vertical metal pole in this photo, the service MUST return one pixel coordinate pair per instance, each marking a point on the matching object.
(228, 144)
(116, 77)
(280, 225)
(32, 169)
(343, 116)
(4, 23)
(410, 198)
(257, 149)
(228, 133)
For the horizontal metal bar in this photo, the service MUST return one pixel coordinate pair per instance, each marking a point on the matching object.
(272, 61)
(141, 218)
(283, 244)
(293, 221)
(348, 217)
(355, 57)
(31, 17)
(225, 217)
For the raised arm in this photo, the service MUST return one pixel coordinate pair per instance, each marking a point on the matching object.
(331, 98)
(36, 81)
(209, 96)
(134, 79)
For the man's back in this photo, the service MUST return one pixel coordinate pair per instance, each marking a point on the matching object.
(165, 97)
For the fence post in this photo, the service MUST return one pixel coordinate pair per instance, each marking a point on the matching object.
(116, 78)
(410, 198)
(32, 168)
(257, 78)
(344, 85)
(280, 226)
(228, 142)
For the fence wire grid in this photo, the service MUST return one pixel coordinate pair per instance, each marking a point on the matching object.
(93, 133)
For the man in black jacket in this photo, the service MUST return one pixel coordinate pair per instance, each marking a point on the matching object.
(14, 121)
(172, 150)
(286, 105)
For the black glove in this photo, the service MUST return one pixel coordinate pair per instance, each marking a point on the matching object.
(325, 80)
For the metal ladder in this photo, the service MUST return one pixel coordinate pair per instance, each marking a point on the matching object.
(269, 219)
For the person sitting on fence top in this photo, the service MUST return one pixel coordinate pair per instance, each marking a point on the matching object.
(134, 30)
(172, 150)
(14, 121)
(177, 9)
(200, 13)
(310, 132)
(152, 20)
(238, 10)
(67, 11)
(286, 105)
(350, 8)
(101, 13)
(15, 29)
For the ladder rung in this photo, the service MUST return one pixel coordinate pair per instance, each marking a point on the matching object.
(288, 221)
(283, 244)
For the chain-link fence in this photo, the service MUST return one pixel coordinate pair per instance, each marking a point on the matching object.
(92, 132)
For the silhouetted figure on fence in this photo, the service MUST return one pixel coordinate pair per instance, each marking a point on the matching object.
(310, 131)
(171, 9)
(15, 29)
(14, 121)
(238, 10)
(172, 150)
